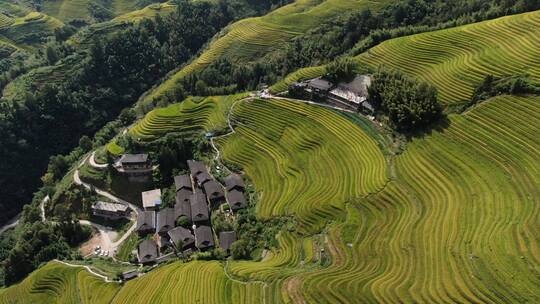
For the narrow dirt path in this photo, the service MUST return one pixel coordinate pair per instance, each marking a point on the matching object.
(94, 164)
(112, 245)
(217, 158)
(105, 278)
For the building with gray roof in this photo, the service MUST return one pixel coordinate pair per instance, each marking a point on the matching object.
(234, 181)
(204, 238)
(236, 200)
(183, 182)
(165, 220)
(147, 252)
(146, 222)
(199, 207)
(214, 192)
(226, 238)
(181, 234)
(203, 178)
(196, 167)
(110, 210)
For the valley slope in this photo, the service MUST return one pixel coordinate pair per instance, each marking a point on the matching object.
(454, 218)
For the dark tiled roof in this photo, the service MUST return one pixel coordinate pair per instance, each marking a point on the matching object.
(204, 237)
(320, 84)
(134, 158)
(213, 190)
(183, 234)
(128, 275)
(147, 251)
(165, 220)
(234, 181)
(196, 167)
(236, 199)
(226, 239)
(183, 204)
(183, 182)
(183, 195)
(203, 178)
(146, 220)
(199, 208)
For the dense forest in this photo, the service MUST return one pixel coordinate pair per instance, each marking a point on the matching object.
(108, 77)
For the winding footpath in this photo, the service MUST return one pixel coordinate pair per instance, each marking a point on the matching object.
(217, 158)
(15, 221)
(112, 246)
(12, 223)
(105, 278)
(93, 163)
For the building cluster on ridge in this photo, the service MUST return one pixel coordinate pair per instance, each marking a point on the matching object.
(196, 195)
(350, 95)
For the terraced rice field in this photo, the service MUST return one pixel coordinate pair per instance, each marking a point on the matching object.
(195, 282)
(17, 9)
(456, 60)
(318, 160)
(5, 21)
(457, 222)
(67, 10)
(190, 115)
(150, 11)
(252, 38)
(460, 223)
(56, 283)
(33, 23)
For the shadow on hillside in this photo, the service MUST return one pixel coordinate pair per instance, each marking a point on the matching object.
(439, 126)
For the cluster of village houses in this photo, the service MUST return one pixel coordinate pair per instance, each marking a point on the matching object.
(350, 95)
(197, 193)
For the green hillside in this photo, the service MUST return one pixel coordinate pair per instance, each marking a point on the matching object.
(251, 38)
(452, 217)
(458, 223)
(57, 283)
(190, 115)
(456, 60)
(29, 30)
(319, 160)
(436, 233)
(67, 10)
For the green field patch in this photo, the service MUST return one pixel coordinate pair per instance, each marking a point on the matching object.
(457, 60)
(305, 160)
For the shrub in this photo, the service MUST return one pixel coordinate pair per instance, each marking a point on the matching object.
(340, 69)
(239, 250)
(514, 85)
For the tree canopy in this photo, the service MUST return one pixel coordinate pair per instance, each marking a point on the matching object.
(409, 103)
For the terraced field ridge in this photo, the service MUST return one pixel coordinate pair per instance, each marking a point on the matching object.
(318, 159)
(18, 30)
(193, 114)
(457, 222)
(57, 283)
(67, 10)
(456, 60)
(252, 38)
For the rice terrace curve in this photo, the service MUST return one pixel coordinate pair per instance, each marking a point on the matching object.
(340, 205)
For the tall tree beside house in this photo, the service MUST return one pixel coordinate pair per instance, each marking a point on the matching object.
(410, 104)
(341, 69)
